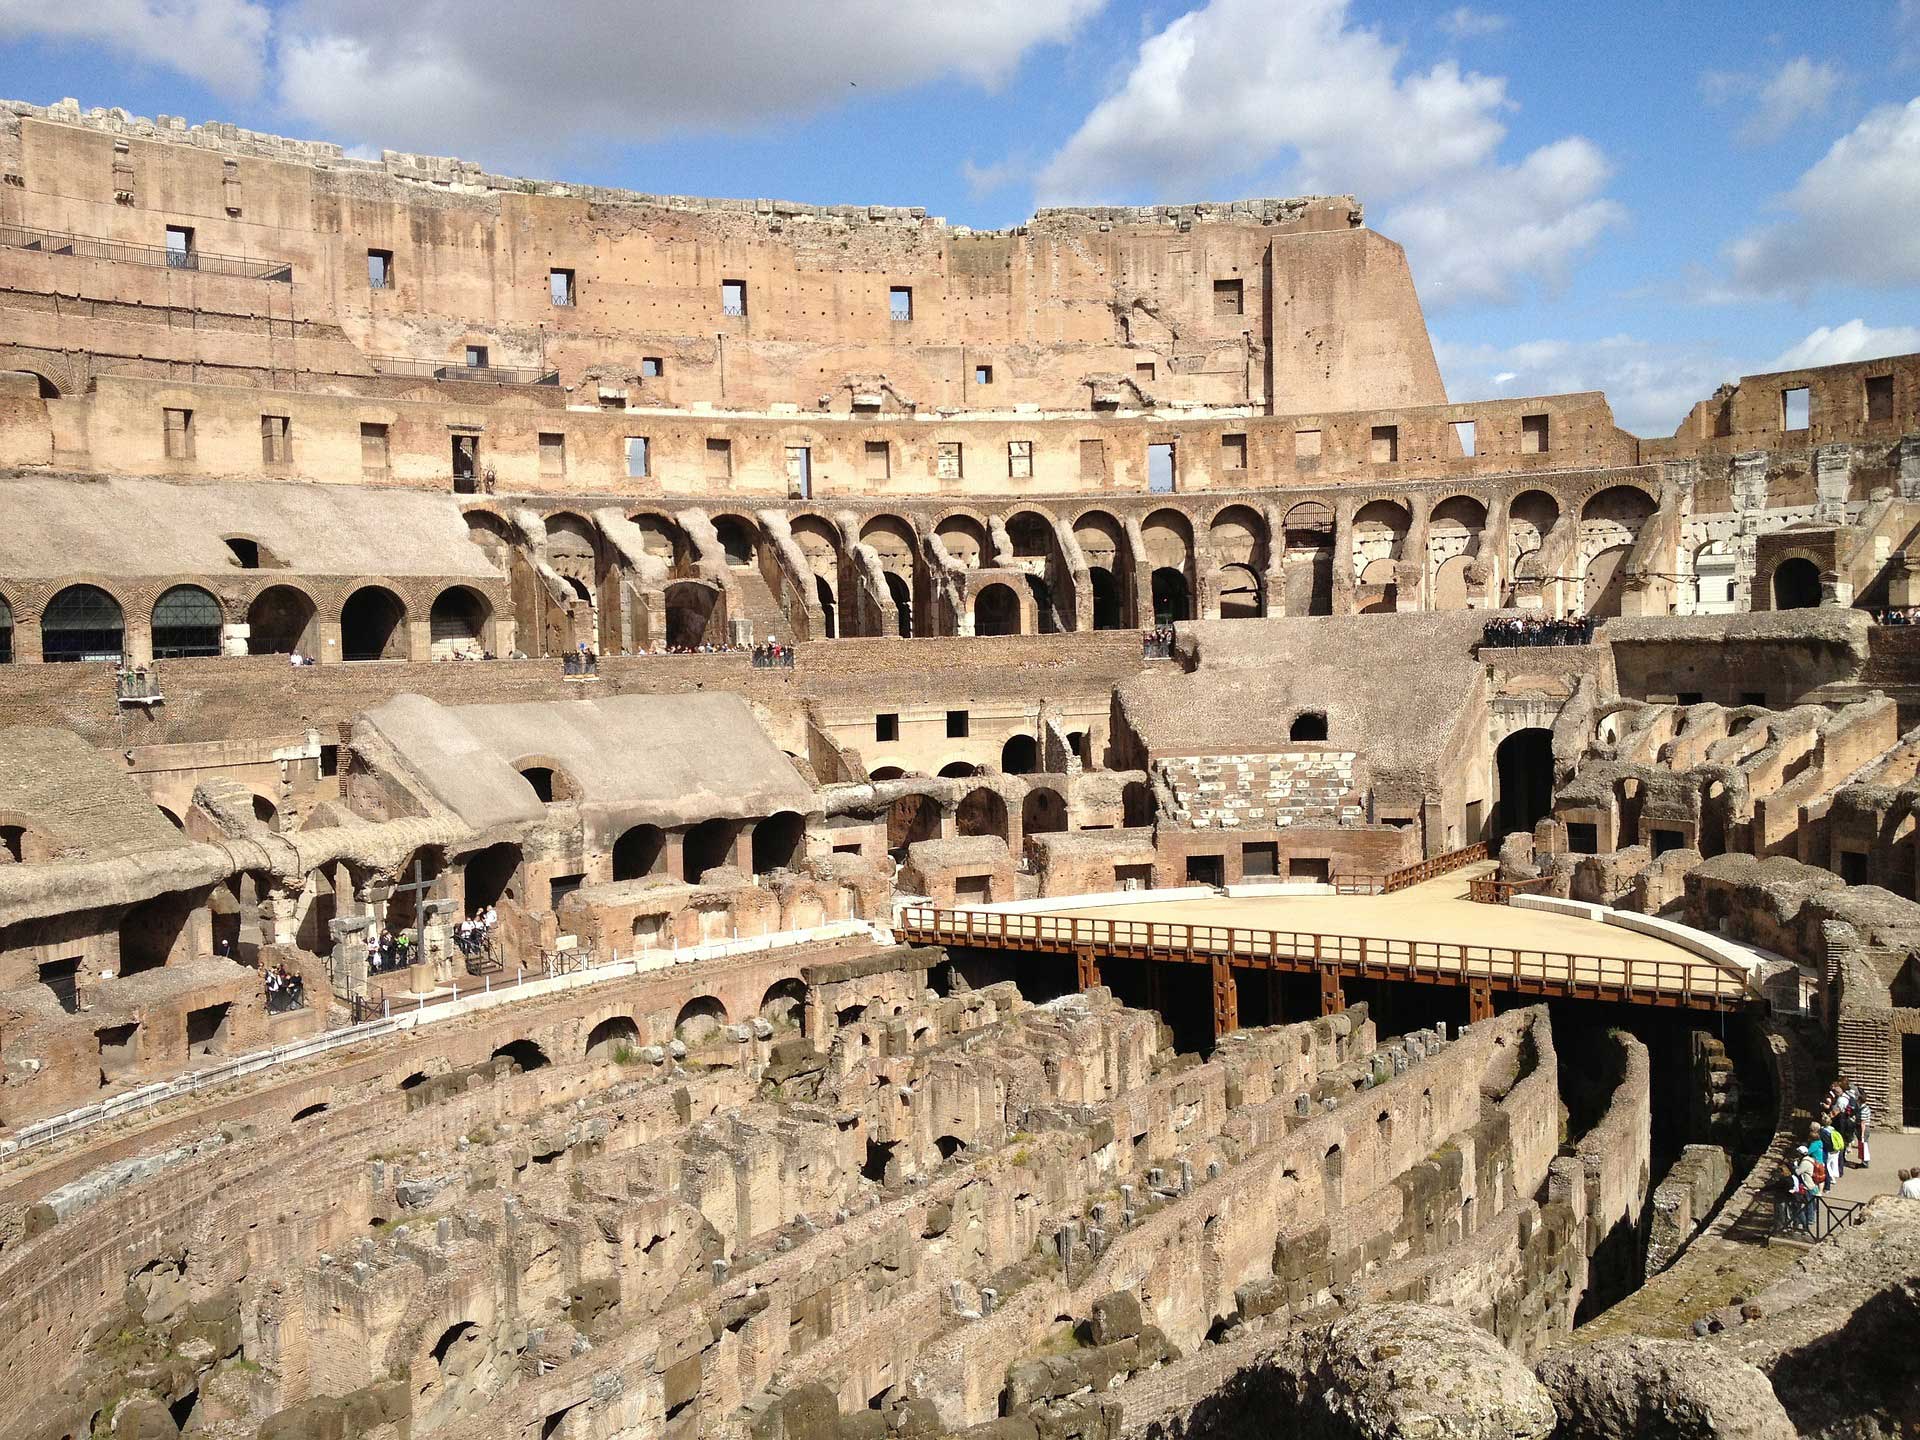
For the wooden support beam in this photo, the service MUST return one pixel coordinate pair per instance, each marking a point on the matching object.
(1088, 967)
(1479, 1000)
(1332, 998)
(1226, 999)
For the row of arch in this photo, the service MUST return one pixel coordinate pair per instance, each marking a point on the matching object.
(86, 622)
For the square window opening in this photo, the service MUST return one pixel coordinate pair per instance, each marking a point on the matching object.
(373, 445)
(1143, 370)
(1233, 452)
(983, 374)
(733, 297)
(886, 727)
(1229, 297)
(379, 269)
(553, 453)
(879, 459)
(719, 458)
(957, 726)
(652, 367)
(476, 357)
(1879, 397)
(180, 248)
(560, 286)
(637, 467)
(900, 302)
(1020, 459)
(1386, 444)
(1536, 434)
(947, 460)
(1796, 408)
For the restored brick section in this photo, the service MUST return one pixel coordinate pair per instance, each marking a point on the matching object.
(1268, 792)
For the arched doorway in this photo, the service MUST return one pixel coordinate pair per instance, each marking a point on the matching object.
(1308, 725)
(1606, 582)
(829, 613)
(1171, 601)
(1241, 594)
(778, 841)
(373, 625)
(457, 623)
(910, 819)
(612, 1038)
(700, 1020)
(280, 622)
(996, 611)
(690, 610)
(1524, 765)
(639, 851)
(983, 812)
(784, 1006)
(82, 622)
(958, 770)
(186, 623)
(488, 876)
(1020, 755)
(736, 540)
(1136, 804)
(1043, 812)
(1796, 584)
(1107, 614)
(902, 602)
(709, 845)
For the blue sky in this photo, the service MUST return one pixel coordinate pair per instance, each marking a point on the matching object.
(1643, 199)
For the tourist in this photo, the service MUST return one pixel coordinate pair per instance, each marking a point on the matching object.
(1836, 1150)
(1862, 1122)
(1910, 1184)
(1790, 1200)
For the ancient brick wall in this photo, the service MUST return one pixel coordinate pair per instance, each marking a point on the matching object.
(1265, 792)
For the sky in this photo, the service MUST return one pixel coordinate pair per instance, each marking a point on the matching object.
(1648, 199)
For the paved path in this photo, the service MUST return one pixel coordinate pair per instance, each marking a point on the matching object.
(1892, 1153)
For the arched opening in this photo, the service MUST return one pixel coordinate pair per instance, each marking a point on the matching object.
(983, 812)
(784, 1006)
(690, 609)
(488, 876)
(996, 611)
(958, 770)
(829, 612)
(613, 1039)
(403, 906)
(280, 622)
(902, 597)
(964, 539)
(1308, 725)
(6, 631)
(307, 1113)
(1238, 539)
(1242, 597)
(910, 819)
(736, 540)
(699, 1021)
(778, 841)
(1714, 578)
(708, 845)
(1454, 531)
(1524, 766)
(154, 933)
(1307, 558)
(1043, 812)
(186, 624)
(886, 772)
(1606, 582)
(1107, 614)
(1045, 617)
(548, 784)
(82, 622)
(663, 540)
(466, 1332)
(640, 850)
(524, 1054)
(266, 813)
(949, 1146)
(457, 623)
(373, 625)
(1450, 588)
(1020, 755)
(1171, 601)
(1136, 804)
(1796, 584)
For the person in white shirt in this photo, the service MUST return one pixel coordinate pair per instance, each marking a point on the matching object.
(1910, 1184)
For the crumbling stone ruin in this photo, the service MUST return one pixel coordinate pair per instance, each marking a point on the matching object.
(632, 816)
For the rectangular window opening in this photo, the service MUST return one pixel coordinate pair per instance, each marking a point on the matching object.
(179, 428)
(1233, 452)
(886, 727)
(1020, 459)
(733, 297)
(957, 727)
(637, 457)
(652, 367)
(1143, 370)
(1306, 444)
(719, 459)
(879, 459)
(329, 761)
(1093, 459)
(799, 472)
(900, 302)
(1386, 444)
(1466, 433)
(1160, 469)
(276, 439)
(1796, 408)
(983, 374)
(1536, 434)
(476, 357)
(180, 247)
(560, 286)
(553, 453)
(379, 269)
(1229, 297)
(373, 446)
(947, 460)
(1879, 397)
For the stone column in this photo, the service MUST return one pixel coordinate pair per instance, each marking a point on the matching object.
(1832, 476)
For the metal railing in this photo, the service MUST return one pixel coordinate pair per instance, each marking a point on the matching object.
(1814, 1217)
(1493, 891)
(781, 659)
(133, 252)
(1678, 981)
(409, 367)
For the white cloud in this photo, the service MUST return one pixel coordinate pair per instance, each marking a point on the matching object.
(523, 82)
(1799, 90)
(1839, 344)
(1650, 385)
(1854, 216)
(220, 43)
(1225, 94)
(996, 175)
(1463, 22)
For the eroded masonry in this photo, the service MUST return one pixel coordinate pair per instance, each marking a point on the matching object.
(630, 816)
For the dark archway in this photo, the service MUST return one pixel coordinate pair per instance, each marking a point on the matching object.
(996, 611)
(525, 1054)
(1242, 596)
(186, 624)
(910, 819)
(1524, 762)
(708, 845)
(690, 609)
(639, 851)
(1172, 601)
(778, 841)
(1796, 584)
(983, 812)
(1136, 804)
(280, 621)
(1046, 619)
(1107, 612)
(829, 612)
(1606, 582)
(373, 625)
(457, 623)
(82, 622)
(699, 1020)
(1043, 812)
(613, 1039)
(1020, 755)
(1308, 725)
(784, 1006)
(902, 602)
(958, 770)
(736, 540)
(487, 876)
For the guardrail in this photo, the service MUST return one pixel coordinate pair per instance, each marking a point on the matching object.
(134, 252)
(1492, 891)
(1814, 1217)
(1650, 979)
(417, 369)
(1424, 870)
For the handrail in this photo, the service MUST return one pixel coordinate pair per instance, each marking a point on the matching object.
(1424, 870)
(1814, 1217)
(135, 252)
(1688, 979)
(1490, 890)
(415, 368)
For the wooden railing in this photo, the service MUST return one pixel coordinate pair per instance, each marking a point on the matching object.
(1491, 890)
(1408, 875)
(1680, 980)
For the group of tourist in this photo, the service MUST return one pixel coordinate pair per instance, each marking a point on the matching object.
(1897, 615)
(387, 952)
(285, 990)
(1157, 643)
(473, 936)
(1512, 630)
(1845, 1120)
(480, 654)
(295, 658)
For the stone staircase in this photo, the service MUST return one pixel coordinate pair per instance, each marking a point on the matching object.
(755, 603)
